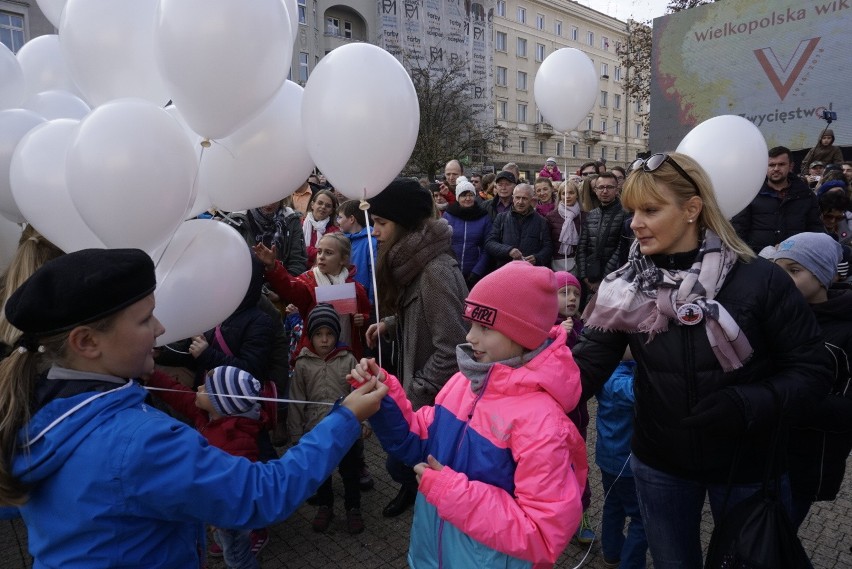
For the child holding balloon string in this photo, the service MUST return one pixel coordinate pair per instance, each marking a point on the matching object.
(332, 268)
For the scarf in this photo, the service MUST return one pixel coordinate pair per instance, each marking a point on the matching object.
(418, 248)
(311, 226)
(466, 213)
(269, 229)
(568, 236)
(642, 298)
(323, 279)
(477, 372)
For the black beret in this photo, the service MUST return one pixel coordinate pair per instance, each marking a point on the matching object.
(404, 202)
(504, 174)
(79, 288)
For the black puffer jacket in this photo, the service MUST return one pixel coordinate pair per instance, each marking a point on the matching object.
(769, 220)
(601, 243)
(677, 369)
(820, 445)
(528, 233)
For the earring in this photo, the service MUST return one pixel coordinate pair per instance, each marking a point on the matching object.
(689, 221)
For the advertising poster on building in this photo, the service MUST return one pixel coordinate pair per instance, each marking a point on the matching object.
(778, 63)
(443, 31)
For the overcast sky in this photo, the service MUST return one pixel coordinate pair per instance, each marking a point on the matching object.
(640, 10)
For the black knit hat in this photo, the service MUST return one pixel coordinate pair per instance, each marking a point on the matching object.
(79, 288)
(404, 202)
(323, 314)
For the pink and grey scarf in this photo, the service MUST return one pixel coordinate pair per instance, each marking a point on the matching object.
(643, 298)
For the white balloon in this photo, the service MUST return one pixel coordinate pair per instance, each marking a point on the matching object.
(565, 88)
(45, 67)
(37, 176)
(222, 60)
(264, 161)
(733, 152)
(52, 10)
(293, 15)
(202, 277)
(57, 105)
(199, 201)
(130, 173)
(13, 86)
(361, 118)
(109, 47)
(14, 124)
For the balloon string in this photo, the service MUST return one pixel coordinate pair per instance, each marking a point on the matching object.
(270, 399)
(373, 274)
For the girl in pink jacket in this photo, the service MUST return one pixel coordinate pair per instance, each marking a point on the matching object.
(500, 466)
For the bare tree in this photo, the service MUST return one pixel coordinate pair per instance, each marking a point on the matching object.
(452, 124)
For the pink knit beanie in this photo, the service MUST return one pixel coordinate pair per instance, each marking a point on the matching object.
(518, 300)
(564, 278)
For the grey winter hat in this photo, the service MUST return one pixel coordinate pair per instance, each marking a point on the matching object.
(819, 253)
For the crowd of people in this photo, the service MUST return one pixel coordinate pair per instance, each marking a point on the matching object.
(504, 305)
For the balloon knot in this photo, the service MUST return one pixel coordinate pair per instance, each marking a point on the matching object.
(364, 205)
(205, 143)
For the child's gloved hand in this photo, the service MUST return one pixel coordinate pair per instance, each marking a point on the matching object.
(366, 370)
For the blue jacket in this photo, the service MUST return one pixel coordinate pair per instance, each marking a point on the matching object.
(115, 480)
(361, 259)
(469, 237)
(615, 421)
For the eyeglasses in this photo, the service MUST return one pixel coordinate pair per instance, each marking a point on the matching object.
(606, 188)
(653, 163)
(619, 178)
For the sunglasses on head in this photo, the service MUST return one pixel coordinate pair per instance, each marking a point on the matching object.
(653, 163)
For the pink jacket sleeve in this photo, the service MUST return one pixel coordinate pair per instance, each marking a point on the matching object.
(536, 524)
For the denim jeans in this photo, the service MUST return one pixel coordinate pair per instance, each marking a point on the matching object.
(236, 547)
(671, 512)
(620, 503)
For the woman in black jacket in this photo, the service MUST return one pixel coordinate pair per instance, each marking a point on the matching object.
(718, 336)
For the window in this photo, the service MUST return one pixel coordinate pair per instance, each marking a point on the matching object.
(522, 80)
(541, 145)
(522, 47)
(559, 148)
(589, 123)
(604, 70)
(603, 125)
(617, 46)
(303, 66)
(618, 73)
(539, 21)
(347, 29)
(303, 14)
(603, 152)
(12, 30)
(590, 38)
(617, 127)
(638, 106)
(500, 41)
(332, 26)
(615, 154)
(575, 33)
(502, 109)
(522, 145)
(588, 151)
(522, 112)
(573, 151)
(617, 101)
(539, 117)
(504, 144)
(557, 27)
(501, 8)
(539, 52)
(604, 43)
(604, 95)
(638, 130)
(502, 76)
(522, 15)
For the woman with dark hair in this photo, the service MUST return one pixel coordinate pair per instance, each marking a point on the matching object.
(420, 291)
(322, 214)
(725, 347)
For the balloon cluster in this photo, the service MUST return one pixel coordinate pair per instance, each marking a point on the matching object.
(91, 156)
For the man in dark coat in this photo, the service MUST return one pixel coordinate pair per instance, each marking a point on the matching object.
(520, 233)
(783, 207)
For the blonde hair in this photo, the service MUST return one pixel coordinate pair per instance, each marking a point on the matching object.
(641, 187)
(343, 243)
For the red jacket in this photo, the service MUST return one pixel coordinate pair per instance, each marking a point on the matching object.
(234, 435)
(301, 292)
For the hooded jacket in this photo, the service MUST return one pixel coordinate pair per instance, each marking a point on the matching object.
(826, 154)
(321, 379)
(361, 260)
(114, 480)
(514, 464)
(471, 227)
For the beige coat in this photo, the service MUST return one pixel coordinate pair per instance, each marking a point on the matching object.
(317, 379)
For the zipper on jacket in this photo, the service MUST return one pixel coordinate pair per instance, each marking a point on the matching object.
(691, 389)
(464, 246)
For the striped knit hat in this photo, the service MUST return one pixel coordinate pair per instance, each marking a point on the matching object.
(323, 315)
(227, 380)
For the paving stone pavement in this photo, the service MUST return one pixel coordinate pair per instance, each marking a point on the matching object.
(293, 545)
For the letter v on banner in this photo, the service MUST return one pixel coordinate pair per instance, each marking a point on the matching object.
(781, 76)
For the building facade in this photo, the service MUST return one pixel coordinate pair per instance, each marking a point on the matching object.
(20, 22)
